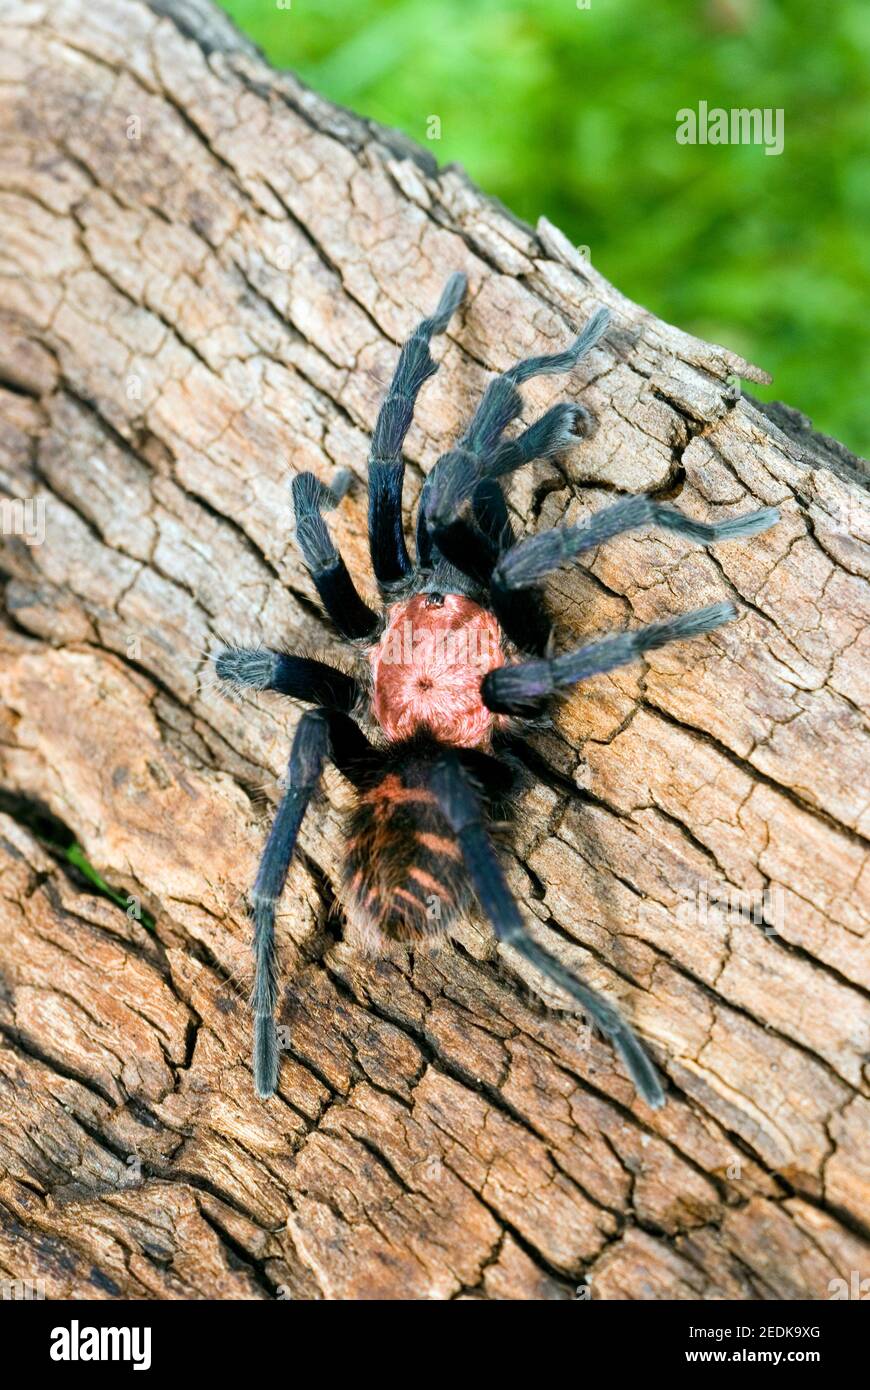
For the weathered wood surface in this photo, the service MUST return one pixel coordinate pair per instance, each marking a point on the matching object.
(186, 316)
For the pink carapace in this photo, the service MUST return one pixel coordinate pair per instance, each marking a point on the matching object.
(428, 666)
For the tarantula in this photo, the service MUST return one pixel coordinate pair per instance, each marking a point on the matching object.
(446, 680)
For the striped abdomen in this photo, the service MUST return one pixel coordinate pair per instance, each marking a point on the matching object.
(404, 878)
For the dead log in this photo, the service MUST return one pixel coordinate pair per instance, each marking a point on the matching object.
(205, 271)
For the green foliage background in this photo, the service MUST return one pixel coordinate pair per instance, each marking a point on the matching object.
(571, 112)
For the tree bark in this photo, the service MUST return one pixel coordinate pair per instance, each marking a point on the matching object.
(206, 271)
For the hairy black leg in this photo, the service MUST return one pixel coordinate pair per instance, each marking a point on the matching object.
(473, 552)
(474, 544)
(319, 735)
(468, 550)
(537, 556)
(386, 466)
(521, 614)
(493, 774)
(482, 452)
(553, 432)
(337, 591)
(490, 514)
(501, 402)
(457, 475)
(531, 559)
(260, 668)
(520, 689)
(462, 810)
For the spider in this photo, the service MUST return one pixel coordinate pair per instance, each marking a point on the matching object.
(460, 656)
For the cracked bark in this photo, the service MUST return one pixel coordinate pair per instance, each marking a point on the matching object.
(185, 316)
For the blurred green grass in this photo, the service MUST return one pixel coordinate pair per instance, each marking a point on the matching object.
(571, 112)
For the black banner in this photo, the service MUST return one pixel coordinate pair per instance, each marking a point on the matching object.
(196, 1338)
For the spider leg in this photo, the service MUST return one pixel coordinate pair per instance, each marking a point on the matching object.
(386, 465)
(481, 453)
(474, 549)
(320, 734)
(520, 689)
(522, 616)
(462, 810)
(490, 514)
(531, 559)
(537, 556)
(260, 668)
(469, 549)
(337, 591)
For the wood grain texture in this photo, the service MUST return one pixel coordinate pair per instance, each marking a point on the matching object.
(185, 317)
